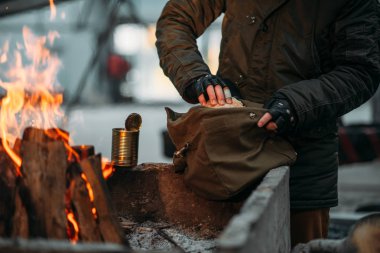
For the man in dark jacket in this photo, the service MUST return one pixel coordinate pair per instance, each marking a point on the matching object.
(308, 62)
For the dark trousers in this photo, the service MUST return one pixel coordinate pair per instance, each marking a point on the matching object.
(308, 225)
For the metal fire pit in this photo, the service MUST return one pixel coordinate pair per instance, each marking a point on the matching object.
(151, 199)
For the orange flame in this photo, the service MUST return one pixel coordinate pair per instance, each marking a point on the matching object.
(88, 186)
(53, 10)
(30, 82)
(90, 194)
(28, 73)
(71, 219)
(61, 135)
(107, 168)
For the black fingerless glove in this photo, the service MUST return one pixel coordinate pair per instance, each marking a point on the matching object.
(199, 86)
(203, 82)
(282, 114)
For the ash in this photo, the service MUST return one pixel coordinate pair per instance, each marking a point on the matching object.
(161, 236)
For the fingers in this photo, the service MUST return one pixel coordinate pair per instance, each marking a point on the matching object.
(211, 94)
(202, 100)
(264, 120)
(216, 96)
(225, 90)
(227, 95)
(216, 92)
(272, 126)
(220, 94)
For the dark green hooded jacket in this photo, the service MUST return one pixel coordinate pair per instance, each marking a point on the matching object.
(322, 55)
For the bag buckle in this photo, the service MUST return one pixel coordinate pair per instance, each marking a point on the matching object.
(181, 153)
(179, 159)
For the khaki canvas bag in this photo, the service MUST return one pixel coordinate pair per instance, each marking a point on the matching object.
(222, 151)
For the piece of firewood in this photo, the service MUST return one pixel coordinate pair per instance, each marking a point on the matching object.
(20, 226)
(109, 228)
(44, 185)
(45, 135)
(79, 195)
(7, 190)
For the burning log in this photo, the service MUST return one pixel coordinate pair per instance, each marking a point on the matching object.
(20, 223)
(89, 231)
(41, 195)
(57, 193)
(43, 172)
(8, 190)
(110, 230)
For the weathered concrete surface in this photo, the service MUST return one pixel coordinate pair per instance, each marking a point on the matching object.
(263, 224)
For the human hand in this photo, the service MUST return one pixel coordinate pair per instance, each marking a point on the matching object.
(213, 89)
(280, 117)
(235, 103)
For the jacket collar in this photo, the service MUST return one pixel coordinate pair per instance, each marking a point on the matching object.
(268, 8)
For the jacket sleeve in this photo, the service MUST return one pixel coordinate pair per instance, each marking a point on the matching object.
(180, 24)
(355, 77)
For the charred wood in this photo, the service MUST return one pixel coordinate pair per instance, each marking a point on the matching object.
(82, 206)
(109, 227)
(7, 192)
(20, 225)
(43, 169)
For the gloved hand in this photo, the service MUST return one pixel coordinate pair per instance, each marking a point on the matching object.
(209, 87)
(280, 116)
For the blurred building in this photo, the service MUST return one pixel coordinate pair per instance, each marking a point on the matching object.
(92, 30)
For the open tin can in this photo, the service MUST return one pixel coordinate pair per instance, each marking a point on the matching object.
(125, 145)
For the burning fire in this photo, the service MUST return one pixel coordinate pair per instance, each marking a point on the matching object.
(90, 194)
(31, 88)
(53, 10)
(28, 76)
(107, 168)
(32, 97)
(74, 224)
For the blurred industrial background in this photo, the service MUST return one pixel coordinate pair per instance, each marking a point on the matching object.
(110, 69)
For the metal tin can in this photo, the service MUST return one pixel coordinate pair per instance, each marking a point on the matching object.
(125, 145)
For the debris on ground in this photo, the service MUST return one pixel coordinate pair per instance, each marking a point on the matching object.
(162, 236)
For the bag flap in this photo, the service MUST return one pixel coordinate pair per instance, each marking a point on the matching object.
(228, 150)
(185, 127)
